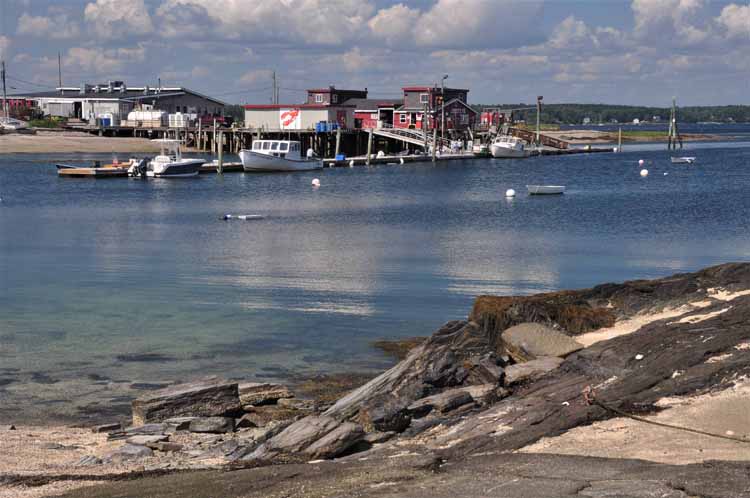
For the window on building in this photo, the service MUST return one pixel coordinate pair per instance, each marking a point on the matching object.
(402, 118)
(335, 98)
(318, 98)
(424, 98)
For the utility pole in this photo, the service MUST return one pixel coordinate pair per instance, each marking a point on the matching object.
(5, 95)
(275, 96)
(538, 118)
(59, 70)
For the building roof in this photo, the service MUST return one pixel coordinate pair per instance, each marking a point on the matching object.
(331, 89)
(373, 104)
(130, 94)
(428, 88)
(294, 106)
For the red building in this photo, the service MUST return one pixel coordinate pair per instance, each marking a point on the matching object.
(374, 113)
(420, 99)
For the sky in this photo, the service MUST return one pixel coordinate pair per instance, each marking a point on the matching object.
(633, 52)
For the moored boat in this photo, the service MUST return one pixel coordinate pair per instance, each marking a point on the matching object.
(545, 189)
(507, 146)
(168, 164)
(682, 160)
(277, 155)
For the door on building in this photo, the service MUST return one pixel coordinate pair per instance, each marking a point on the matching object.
(77, 110)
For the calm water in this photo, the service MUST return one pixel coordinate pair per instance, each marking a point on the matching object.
(96, 271)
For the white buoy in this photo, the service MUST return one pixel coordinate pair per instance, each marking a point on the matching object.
(316, 182)
(665, 173)
(616, 149)
(351, 163)
(401, 160)
(381, 154)
(640, 162)
(644, 172)
(510, 193)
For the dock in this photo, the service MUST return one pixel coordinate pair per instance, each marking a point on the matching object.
(93, 172)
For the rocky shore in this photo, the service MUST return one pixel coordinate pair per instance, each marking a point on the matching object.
(508, 402)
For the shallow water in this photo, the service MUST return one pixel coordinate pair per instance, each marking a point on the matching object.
(97, 273)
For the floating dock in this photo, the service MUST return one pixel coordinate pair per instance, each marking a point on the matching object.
(92, 172)
(228, 167)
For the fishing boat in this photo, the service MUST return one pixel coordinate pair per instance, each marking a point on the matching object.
(277, 155)
(682, 160)
(168, 164)
(545, 189)
(507, 146)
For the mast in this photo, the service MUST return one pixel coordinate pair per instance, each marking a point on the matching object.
(5, 95)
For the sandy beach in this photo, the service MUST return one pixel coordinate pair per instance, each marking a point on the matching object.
(596, 136)
(70, 141)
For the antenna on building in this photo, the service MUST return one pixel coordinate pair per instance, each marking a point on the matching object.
(59, 69)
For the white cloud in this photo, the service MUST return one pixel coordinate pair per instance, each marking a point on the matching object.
(4, 45)
(395, 24)
(103, 61)
(56, 26)
(256, 76)
(479, 23)
(671, 21)
(736, 20)
(319, 22)
(113, 19)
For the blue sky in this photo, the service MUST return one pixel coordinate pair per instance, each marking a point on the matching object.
(603, 51)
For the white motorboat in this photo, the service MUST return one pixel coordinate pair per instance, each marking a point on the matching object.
(545, 189)
(277, 155)
(11, 124)
(507, 146)
(168, 164)
(682, 160)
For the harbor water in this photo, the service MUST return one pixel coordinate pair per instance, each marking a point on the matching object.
(112, 286)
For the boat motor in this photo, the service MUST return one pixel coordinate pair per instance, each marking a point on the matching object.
(140, 168)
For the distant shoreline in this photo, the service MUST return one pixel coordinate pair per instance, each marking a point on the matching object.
(585, 136)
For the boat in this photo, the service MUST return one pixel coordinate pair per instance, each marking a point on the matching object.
(508, 146)
(545, 189)
(682, 160)
(11, 124)
(277, 155)
(168, 164)
(97, 169)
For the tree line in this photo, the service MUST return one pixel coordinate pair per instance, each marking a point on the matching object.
(603, 113)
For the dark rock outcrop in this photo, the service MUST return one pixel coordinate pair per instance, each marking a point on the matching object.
(262, 393)
(213, 425)
(213, 398)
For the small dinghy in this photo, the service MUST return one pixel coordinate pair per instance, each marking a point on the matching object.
(545, 189)
(682, 160)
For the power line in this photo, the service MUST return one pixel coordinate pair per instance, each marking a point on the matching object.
(29, 82)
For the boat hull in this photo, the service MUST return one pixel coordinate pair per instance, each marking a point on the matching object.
(182, 169)
(253, 162)
(500, 152)
(682, 160)
(545, 189)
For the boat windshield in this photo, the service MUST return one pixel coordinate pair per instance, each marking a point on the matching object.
(266, 145)
(283, 146)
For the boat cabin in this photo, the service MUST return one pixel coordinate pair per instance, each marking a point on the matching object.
(169, 150)
(278, 148)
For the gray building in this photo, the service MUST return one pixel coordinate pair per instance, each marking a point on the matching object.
(88, 102)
